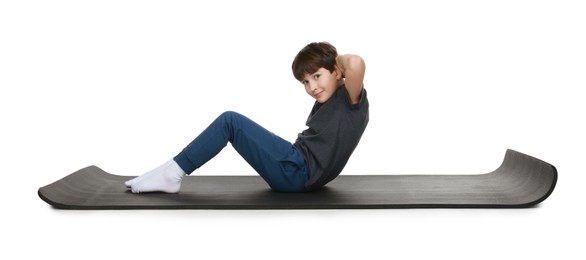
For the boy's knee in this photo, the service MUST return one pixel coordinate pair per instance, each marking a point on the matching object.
(232, 118)
(229, 116)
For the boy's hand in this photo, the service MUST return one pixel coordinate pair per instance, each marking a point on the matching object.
(352, 68)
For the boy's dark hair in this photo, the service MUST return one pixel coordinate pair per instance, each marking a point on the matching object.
(312, 57)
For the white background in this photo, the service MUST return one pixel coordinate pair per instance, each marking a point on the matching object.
(125, 85)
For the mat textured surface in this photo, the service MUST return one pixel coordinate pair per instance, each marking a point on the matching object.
(520, 181)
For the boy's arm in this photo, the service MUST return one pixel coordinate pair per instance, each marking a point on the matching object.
(353, 68)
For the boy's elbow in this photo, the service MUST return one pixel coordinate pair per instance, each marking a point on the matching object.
(356, 62)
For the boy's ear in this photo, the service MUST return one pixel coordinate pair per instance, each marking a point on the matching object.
(339, 74)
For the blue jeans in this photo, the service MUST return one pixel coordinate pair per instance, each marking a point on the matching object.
(277, 161)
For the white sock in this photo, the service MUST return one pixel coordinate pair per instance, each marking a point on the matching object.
(149, 173)
(166, 178)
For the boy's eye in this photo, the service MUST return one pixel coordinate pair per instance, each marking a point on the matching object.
(304, 82)
(316, 76)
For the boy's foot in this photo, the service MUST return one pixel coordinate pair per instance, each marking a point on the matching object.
(149, 173)
(166, 178)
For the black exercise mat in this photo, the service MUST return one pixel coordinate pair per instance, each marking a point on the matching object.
(521, 181)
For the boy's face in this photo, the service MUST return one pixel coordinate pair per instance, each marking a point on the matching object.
(322, 84)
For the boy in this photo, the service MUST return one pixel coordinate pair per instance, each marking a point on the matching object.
(336, 123)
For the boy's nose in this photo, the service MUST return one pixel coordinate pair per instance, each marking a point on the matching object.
(313, 86)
